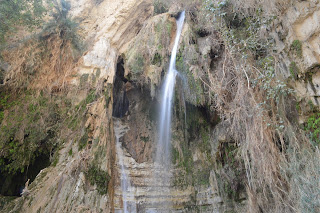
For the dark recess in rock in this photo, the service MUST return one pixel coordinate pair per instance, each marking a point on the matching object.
(13, 184)
(203, 33)
(120, 99)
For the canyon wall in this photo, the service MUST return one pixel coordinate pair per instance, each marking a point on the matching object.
(126, 58)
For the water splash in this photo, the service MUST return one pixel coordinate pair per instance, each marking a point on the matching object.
(163, 154)
(126, 188)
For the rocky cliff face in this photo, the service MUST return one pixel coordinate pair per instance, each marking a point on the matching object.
(299, 28)
(128, 50)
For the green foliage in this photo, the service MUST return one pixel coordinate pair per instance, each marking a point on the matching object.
(174, 155)
(313, 127)
(205, 136)
(70, 152)
(83, 140)
(231, 173)
(196, 172)
(268, 81)
(137, 66)
(294, 70)
(227, 153)
(55, 49)
(251, 48)
(187, 161)
(17, 13)
(195, 90)
(98, 177)
(144, 139)
(149, 47)
(243, 38)
(242, 33)
(28, 129)
(296, 46)
(76, 118)
(298, 107)
(63, 25)
(227, 188)
(31, 124)
(156, 60)
(202, 176)
(11, 204)
(159, 7)
(90, 98)
(55, 159)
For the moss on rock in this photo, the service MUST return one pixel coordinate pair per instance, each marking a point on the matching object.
(150, 47)
(98, 177)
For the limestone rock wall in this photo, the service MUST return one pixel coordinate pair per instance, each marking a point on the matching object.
(297, 37)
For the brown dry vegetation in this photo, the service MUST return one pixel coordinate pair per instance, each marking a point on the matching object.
(253, 98)
(270, 7)
(45, 60)
(50, 61)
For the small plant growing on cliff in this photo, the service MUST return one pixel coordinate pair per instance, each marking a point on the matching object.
(294, 70)
(313, 127)
(159, 7)
(83, 141)
(296, 46)
(99, 177)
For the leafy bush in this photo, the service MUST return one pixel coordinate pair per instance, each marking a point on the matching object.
(62, 25)
(313, 127)
(294, 70)
(296, 46)
(98, 177)
(28, 129)
(50, 55)
(14, 14)
(159, 7)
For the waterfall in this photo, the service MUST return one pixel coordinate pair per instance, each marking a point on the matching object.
(163, 154)
(126, 188)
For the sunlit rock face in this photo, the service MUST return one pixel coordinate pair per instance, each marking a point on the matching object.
(298, 34)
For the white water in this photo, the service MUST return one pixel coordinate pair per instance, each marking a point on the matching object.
(163, 154)
(126, 188)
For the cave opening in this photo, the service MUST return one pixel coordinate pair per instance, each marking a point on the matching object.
(12, 184)
(120, 99)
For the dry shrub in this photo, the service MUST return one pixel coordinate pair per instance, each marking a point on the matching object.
(162, 6)
(48, 60)
(273, 148)
(250, 126)
(251, 96)
(45, 60)
(303, 169)
(270, 7)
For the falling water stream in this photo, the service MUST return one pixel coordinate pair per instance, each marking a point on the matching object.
(128, 207)
(163, 154)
